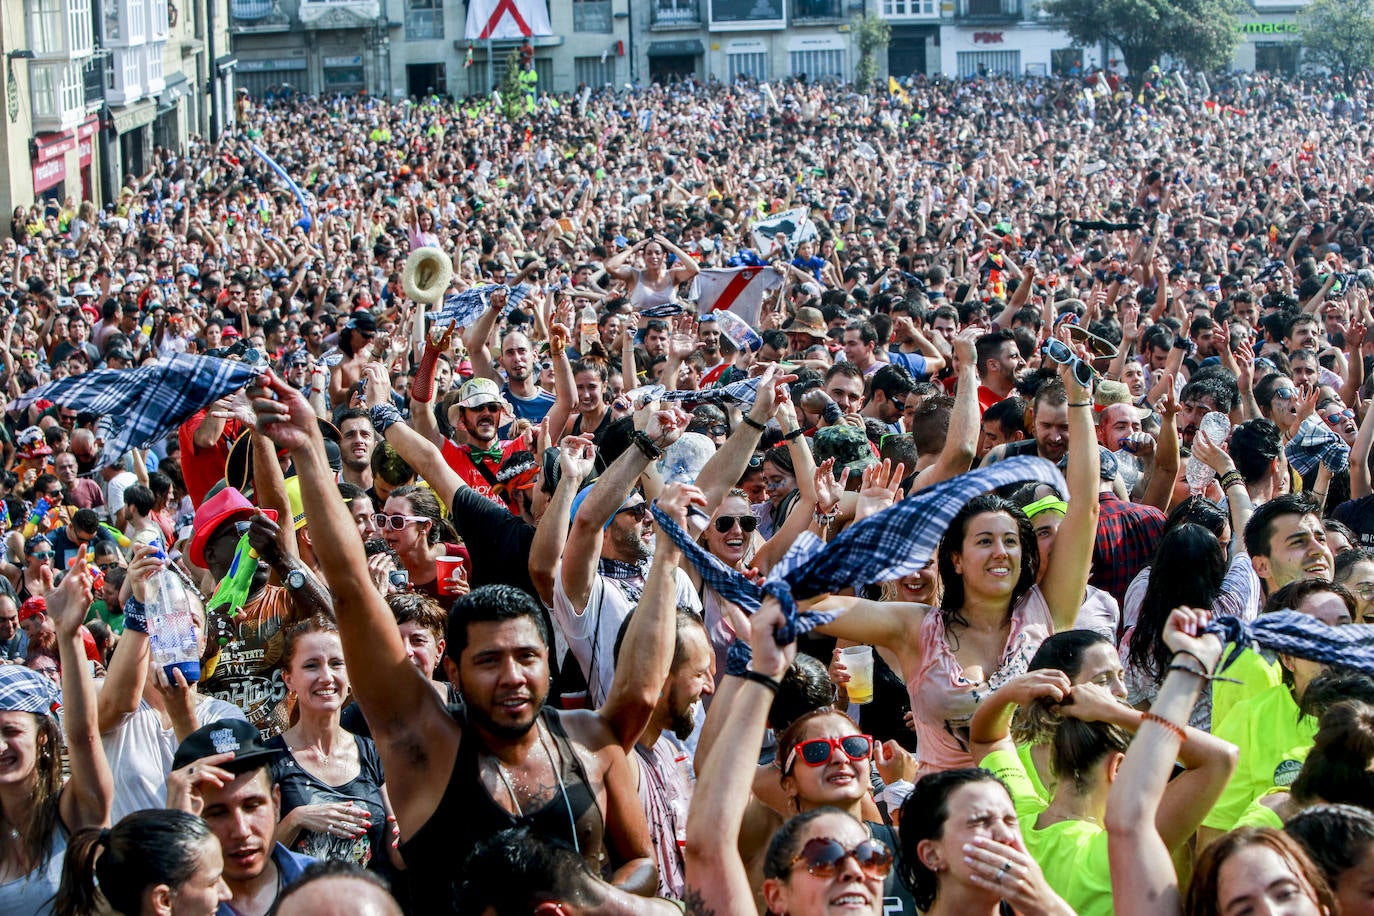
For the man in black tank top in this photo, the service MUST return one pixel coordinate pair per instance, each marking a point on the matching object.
(509, 762)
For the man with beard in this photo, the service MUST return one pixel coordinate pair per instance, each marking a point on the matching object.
(357, 437)
(478, 460)
(1050, 428)
(508, 761)
(1000, 364)
(708, 334)
(526, 399)
(665, 645)
(607, 551)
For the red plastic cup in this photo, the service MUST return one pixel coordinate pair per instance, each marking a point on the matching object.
(446, 567)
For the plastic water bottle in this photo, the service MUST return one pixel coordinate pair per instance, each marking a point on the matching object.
(587, 328)
(172, 625)
(738, 331)
(1216, 426)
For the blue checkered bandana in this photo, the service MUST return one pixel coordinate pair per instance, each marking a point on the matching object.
(463, 309)
(743, 394)
(1315, 444)
(141, 406)
(899, 541)
(1293, 633)
(25, 690)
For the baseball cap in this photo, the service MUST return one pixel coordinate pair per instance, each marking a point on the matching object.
(222, 737)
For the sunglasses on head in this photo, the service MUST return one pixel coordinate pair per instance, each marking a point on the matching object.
(823, 857)
(747, 523)
(640, 511)
(395, 522)
(818, 751)
(1061, 353)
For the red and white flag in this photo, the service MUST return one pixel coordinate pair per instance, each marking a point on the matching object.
(738, 289)
(507, 19)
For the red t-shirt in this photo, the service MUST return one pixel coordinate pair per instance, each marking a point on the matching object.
(202, 468)
(459, 457)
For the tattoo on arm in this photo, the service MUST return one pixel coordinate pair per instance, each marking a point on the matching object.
(695, 903)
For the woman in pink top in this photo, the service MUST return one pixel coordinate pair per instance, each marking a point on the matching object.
(991, 616)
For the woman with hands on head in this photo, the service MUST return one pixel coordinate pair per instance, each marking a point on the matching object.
(1090, 730)
(992, 617)
(654, 283)
(38, 812)
(817, 862)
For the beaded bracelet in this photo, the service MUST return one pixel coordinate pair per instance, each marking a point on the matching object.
(1176, 730)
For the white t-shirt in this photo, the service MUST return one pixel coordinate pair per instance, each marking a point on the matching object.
(591, 631)
(114, 492)
(140, 753)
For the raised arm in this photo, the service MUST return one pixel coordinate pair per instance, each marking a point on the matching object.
(128, 672)
(1143, 879)
(961, 439)
(646, 653)
(564, 385)
(402, 709)
(86, 797)
(717, 882)
(1066, 574)
(724, 468)
(417, 451)
(478, 337)
(576, 456)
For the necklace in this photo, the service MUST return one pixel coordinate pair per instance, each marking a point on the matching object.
(505, 777)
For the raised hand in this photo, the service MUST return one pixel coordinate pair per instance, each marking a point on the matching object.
(667, 426)
(963, 345)
(68, 602)
(881, 485)
(1183, 632)
(378, 387)
(282, 413)
(769, 657)
(576, 457)
(677, 498)
(829, 489)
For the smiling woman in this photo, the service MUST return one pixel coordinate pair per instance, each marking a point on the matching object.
(333, 801)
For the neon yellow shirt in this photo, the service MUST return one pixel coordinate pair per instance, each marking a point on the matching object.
(1255, 673)
(1072, 854)
(1273, 741)
(1260, 815)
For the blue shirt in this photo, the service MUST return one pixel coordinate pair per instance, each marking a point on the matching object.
(915, 363)
(533, 409)
(291, 864)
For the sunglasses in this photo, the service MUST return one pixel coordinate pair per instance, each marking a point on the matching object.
(818, 751)
(640, 511)
(43, 555)
(395, 522)
(53, 494)
(1286, 394)
(823, 857)
(486, 408)
(747, 523)
(1061, 353)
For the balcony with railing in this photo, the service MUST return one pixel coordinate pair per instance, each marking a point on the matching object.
(911, 9)
(247, 11)
(591, 15)
(817, 10)
(675, 14)
(976, 11)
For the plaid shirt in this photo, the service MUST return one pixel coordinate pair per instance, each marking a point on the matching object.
(1127, 535)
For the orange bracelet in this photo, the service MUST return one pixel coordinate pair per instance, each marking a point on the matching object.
(1177, 730)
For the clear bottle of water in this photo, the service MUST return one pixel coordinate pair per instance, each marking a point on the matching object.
(1216, 427)
(738, 331)
(172, 626)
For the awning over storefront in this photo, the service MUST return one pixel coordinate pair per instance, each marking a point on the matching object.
(132, 117)
(683, 48)
(177, 87)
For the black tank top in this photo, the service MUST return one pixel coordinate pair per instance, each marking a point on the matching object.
(467, 814)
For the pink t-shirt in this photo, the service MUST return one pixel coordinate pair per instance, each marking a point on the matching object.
(944, 700)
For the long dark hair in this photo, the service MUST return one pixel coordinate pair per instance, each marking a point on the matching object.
(146, 848)
(952, 599)
(424, 502)
(33, 844)
(923, 818)
(1188, 569)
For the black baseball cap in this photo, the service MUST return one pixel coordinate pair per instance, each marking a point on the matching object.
(220, 737)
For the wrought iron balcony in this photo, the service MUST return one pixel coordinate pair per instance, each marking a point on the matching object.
(679, 13)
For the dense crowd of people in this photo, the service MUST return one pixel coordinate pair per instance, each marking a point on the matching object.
(794, 500)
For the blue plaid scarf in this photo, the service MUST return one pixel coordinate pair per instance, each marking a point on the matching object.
(141, 406)
(896, 542)
(463, 309)
(1301, 635)
(1315, 444)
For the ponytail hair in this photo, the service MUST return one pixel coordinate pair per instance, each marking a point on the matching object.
(147, 848)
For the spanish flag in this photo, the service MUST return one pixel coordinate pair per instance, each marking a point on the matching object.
(895, 88)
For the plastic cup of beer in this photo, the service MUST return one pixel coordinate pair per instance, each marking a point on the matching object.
(859, 661)
(446, 567)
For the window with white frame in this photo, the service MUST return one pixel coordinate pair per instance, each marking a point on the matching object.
(72, 89)
(55, 90)
(111, 29)
(155, 79)
(158, 26)
(80, 32)
(819, 64)
(897, 9)
(45, 27)
(424, 19)
(137, 19)
(749, 63)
